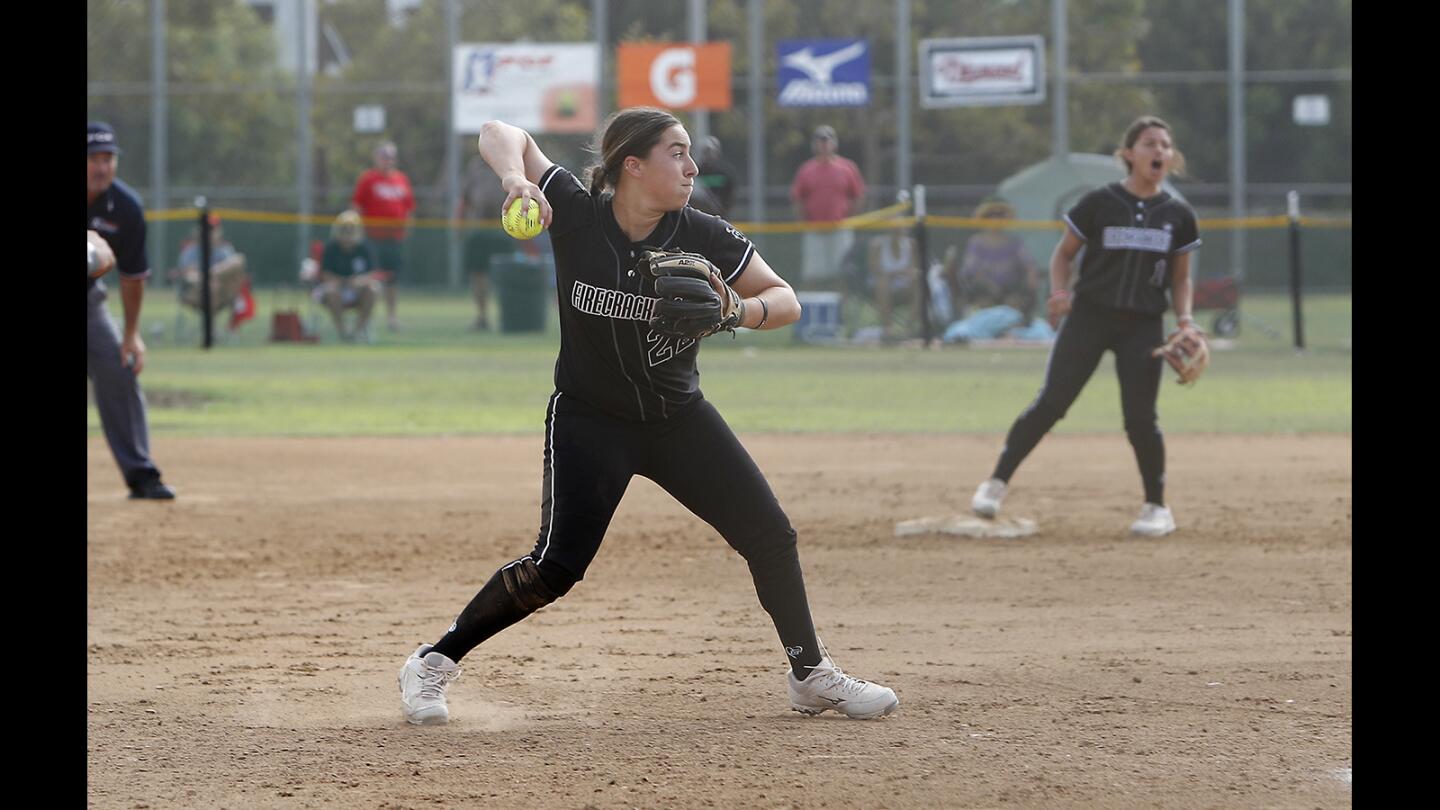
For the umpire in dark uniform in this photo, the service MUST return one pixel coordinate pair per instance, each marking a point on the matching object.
(114, 360)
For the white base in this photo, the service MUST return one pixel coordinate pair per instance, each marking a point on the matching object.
(966, 526)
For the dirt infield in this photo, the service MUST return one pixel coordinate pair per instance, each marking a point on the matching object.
(243, 641)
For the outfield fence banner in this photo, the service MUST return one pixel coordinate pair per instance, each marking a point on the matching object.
(539, 87)
(824, 72)
(982, 71)
(675, 75)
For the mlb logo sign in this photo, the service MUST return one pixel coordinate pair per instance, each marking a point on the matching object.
(824, 73)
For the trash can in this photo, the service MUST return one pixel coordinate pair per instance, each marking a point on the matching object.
(521, 286)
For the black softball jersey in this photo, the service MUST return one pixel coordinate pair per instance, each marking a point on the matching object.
(119, 217)
(1129, 246)
(610, 358)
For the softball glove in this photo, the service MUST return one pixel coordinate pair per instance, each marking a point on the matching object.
(694, 300)
(1187, 352)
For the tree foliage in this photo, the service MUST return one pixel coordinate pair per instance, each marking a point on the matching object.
(231, 120)
(1279, 35)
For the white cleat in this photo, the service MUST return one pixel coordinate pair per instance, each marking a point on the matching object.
(988, 496)
(422, 686)
(1155, 521)
(829, 689)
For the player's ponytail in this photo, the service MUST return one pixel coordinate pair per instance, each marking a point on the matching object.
(596, 179)
(633, 131)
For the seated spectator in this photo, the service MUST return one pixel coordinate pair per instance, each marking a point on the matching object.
(229, 283)
(996, 269)
(1000, 322)
(347, 277)
(894, 273)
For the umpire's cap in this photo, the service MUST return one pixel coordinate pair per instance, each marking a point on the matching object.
(99, 137)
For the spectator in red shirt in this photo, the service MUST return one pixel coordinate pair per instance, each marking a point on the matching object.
(827, 188)
(383, 193)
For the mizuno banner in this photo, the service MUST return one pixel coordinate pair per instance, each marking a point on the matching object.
(824, 73)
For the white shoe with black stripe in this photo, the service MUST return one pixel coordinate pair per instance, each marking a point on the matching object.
(423, 679)
(827, 688)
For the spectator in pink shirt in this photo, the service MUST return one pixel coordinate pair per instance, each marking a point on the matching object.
(827, 188)
(384, 194)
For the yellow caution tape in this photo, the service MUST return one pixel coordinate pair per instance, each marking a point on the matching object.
(871, 220)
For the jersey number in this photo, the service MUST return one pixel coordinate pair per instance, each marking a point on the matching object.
(1158, 279)
(665, 347)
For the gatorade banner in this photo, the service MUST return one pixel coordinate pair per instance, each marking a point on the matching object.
(675, 75)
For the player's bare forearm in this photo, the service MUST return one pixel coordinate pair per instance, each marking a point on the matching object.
(511, 151)
(760, 282)
(132, 346)
(518, 162)
(132, 294)
(503, 147)
(1058, 306)
(1182, 291)
(780, 308)
(1061, 259)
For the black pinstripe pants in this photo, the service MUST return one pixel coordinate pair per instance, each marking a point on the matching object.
(590, 458)
(1085, 335)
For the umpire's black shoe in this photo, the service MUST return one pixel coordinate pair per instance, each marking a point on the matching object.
(151, 490)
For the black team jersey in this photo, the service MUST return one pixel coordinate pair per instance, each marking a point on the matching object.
(119, 217)
(609, 357)
(1130, 244)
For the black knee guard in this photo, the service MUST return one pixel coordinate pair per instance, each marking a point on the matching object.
(531, 589)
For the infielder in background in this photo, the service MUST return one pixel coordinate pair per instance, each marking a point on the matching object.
(1137, 241)
(627, 402)
(112, 361)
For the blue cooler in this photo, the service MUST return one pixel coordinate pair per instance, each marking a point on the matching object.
(819, 317)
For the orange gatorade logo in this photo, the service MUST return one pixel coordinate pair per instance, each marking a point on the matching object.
(676, 76)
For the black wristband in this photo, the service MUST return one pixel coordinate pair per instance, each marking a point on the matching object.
(764, 312)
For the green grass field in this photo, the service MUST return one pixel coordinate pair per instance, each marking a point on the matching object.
(436, 377)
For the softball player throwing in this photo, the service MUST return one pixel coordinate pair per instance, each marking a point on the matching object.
(627, 402)
(1137, 241)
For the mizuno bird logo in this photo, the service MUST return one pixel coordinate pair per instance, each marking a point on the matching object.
(819, 68)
